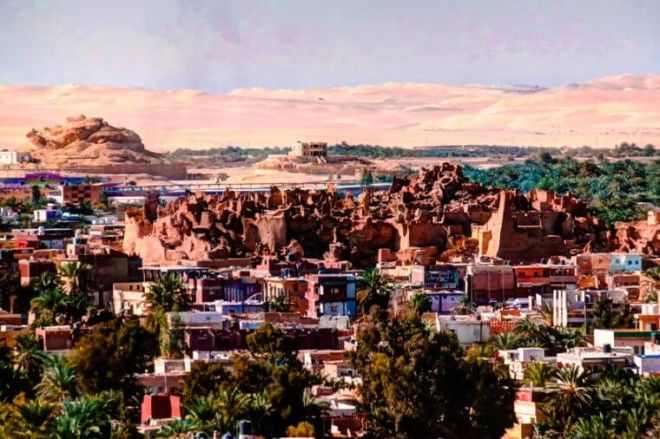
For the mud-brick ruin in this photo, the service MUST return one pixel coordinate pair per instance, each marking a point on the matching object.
(418, 220)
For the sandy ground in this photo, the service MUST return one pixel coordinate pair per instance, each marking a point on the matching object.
(249, 174)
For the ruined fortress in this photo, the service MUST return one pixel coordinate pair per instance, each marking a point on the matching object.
(416, 220)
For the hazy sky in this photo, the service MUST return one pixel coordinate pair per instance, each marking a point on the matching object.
(220, 45)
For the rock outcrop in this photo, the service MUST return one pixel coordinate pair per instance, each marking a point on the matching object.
(639, 236)
(88, 141)
(416, 220)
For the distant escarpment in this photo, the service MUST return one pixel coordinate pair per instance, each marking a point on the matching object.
(88, 141)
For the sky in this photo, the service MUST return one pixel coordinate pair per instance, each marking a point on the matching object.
(219, 46)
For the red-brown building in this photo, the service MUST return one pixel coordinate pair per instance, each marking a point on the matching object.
(161, 406)
(538, 279)
(79, 194)
(30, 269)
(490, 283)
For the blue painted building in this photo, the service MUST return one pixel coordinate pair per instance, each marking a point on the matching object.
(331, 294)
(625, 262)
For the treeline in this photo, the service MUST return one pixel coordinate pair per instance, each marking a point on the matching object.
(613, 188)
(377, 151)
(230, 154)
(235, 154)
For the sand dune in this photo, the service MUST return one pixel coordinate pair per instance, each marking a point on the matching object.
(601, 113)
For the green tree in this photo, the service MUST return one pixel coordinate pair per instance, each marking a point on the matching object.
(505, 341)
(87, 417)
(109, 356)
(28, 419)
(172, 340)
(204, 379)
(231, 404)
(259, 410)
(36, 198)
(177, 428)
(605, 316)
(76, 275)
(276, 383)
(11, 380)
(367, 179)
(420, 302)
(48, 305)
(303, 429)
(202, 413)
(416, 383)
(572, 399)
(59, 382)
(29, 359)
(45, 282)
(538, 374)
(375, 293)
(273, 344)
(594, 427)
(75, 304)
(168, 294)
(10, 291)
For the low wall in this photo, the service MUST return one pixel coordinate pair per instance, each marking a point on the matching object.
(173, 171)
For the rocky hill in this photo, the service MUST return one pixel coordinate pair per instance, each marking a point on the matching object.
(418, 220)
(88, 141)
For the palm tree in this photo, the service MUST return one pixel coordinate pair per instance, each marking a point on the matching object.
(168, 294)
(76, 276)
(75, 305)
(420, 302)
(375, 292)
(546, 312)
(278, 304)
(527, 328)
(231, 404)
(313, 408)
(572, 399)
(259, 410)
(50, 299)
(637, 420)
(594, 427)
(177, 428)
(464, 308)
(202, 413)
(505, 341)
(59, 381)
(45, 281)
(570, 338)
(30, 419)
(538, 374)
(29, 357)
(87, 417)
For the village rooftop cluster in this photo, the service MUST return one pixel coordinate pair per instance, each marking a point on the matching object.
(316, 300)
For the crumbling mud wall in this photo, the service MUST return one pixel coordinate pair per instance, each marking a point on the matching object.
(418, 218)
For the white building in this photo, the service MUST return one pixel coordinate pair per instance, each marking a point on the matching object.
(570, 307)
(309, 149)
(632, 338)
(196, 318)
(129, 297)
(10, 157)
(518, 359)
(468, 330)
(595, 359)
(647, 364)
